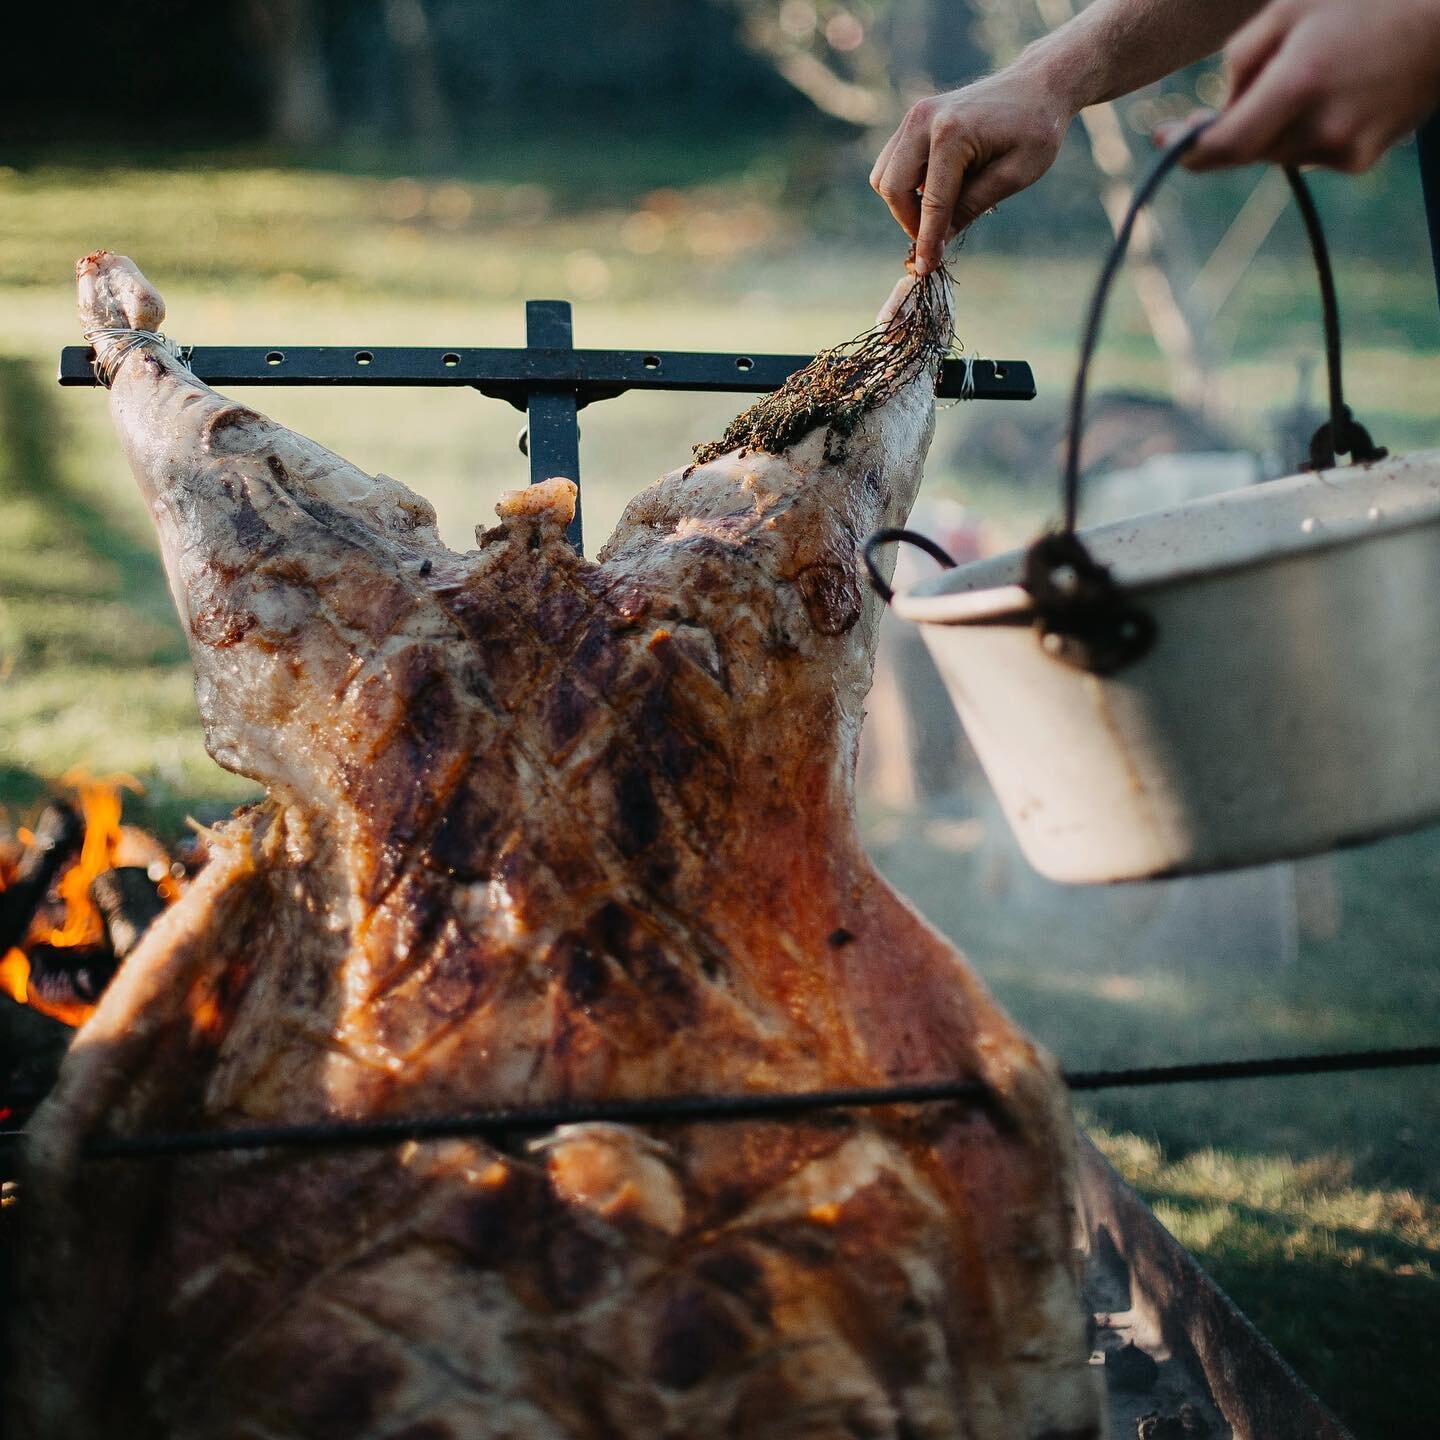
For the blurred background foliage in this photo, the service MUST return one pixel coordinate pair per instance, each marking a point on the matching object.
(692, 174)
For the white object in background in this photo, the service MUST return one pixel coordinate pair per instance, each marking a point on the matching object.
(1164, 482)
(1290, 703)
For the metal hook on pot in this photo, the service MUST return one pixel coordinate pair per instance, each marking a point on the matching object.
(1083, 616)
(878, 583)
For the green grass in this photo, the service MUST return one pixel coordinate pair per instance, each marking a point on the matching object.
(1316, 1203)
(1341, 1277)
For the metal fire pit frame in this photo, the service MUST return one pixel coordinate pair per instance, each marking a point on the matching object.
(1259, 1396)
(548, 379)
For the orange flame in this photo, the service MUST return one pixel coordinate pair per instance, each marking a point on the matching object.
(15, 982)
(15, 976)
(100, 804)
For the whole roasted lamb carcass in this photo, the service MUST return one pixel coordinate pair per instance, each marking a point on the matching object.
(543, 828)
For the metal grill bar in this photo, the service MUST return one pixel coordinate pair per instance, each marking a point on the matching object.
(549, 379)
(552, 435)
(512, 374)
(689, 1109)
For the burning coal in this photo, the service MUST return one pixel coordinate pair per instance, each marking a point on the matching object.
(76, 894)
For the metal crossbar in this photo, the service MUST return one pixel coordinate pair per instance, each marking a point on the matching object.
(548, 378)
(690, 1109)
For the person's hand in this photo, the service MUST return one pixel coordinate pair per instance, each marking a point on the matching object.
(1325, 82)
(956, 156)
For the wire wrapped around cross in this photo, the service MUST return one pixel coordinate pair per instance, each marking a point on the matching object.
(120, 341)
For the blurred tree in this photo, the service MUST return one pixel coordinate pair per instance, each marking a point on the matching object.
(1153, 267)
(409, 32)
(470, 85)
(862, 61)
(913, 37)
(301, 111)
(831, 51)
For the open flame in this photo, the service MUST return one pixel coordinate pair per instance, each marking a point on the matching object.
(100, 804)
(82, 926)
(15, 975)
(15, 982)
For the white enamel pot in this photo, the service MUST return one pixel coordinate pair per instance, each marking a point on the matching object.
(1247, 678)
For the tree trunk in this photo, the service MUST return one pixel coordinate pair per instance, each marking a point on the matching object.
(301, 112)
(408, 28)
(1151, 268)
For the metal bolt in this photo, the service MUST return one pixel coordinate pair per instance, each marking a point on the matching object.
(522, 440)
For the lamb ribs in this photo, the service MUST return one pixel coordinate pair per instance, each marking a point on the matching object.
(538, 828)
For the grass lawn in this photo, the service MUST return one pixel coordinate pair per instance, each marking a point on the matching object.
(1316, 1203)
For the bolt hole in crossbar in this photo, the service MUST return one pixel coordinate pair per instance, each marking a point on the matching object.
(548, 378)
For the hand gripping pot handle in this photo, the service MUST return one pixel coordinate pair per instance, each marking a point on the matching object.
(1083, 616)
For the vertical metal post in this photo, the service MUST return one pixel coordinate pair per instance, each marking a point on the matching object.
(1427, 143)
(554, 438)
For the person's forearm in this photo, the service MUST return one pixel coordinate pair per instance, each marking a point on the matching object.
(1115, 46)
(955, 156)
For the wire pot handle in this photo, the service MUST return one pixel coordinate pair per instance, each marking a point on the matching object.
(878, 583)
(1342, 434)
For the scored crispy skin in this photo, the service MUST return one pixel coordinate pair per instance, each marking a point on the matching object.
(539, 827)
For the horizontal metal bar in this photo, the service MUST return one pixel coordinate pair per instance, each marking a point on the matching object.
(511, 374)
(687, 1109)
